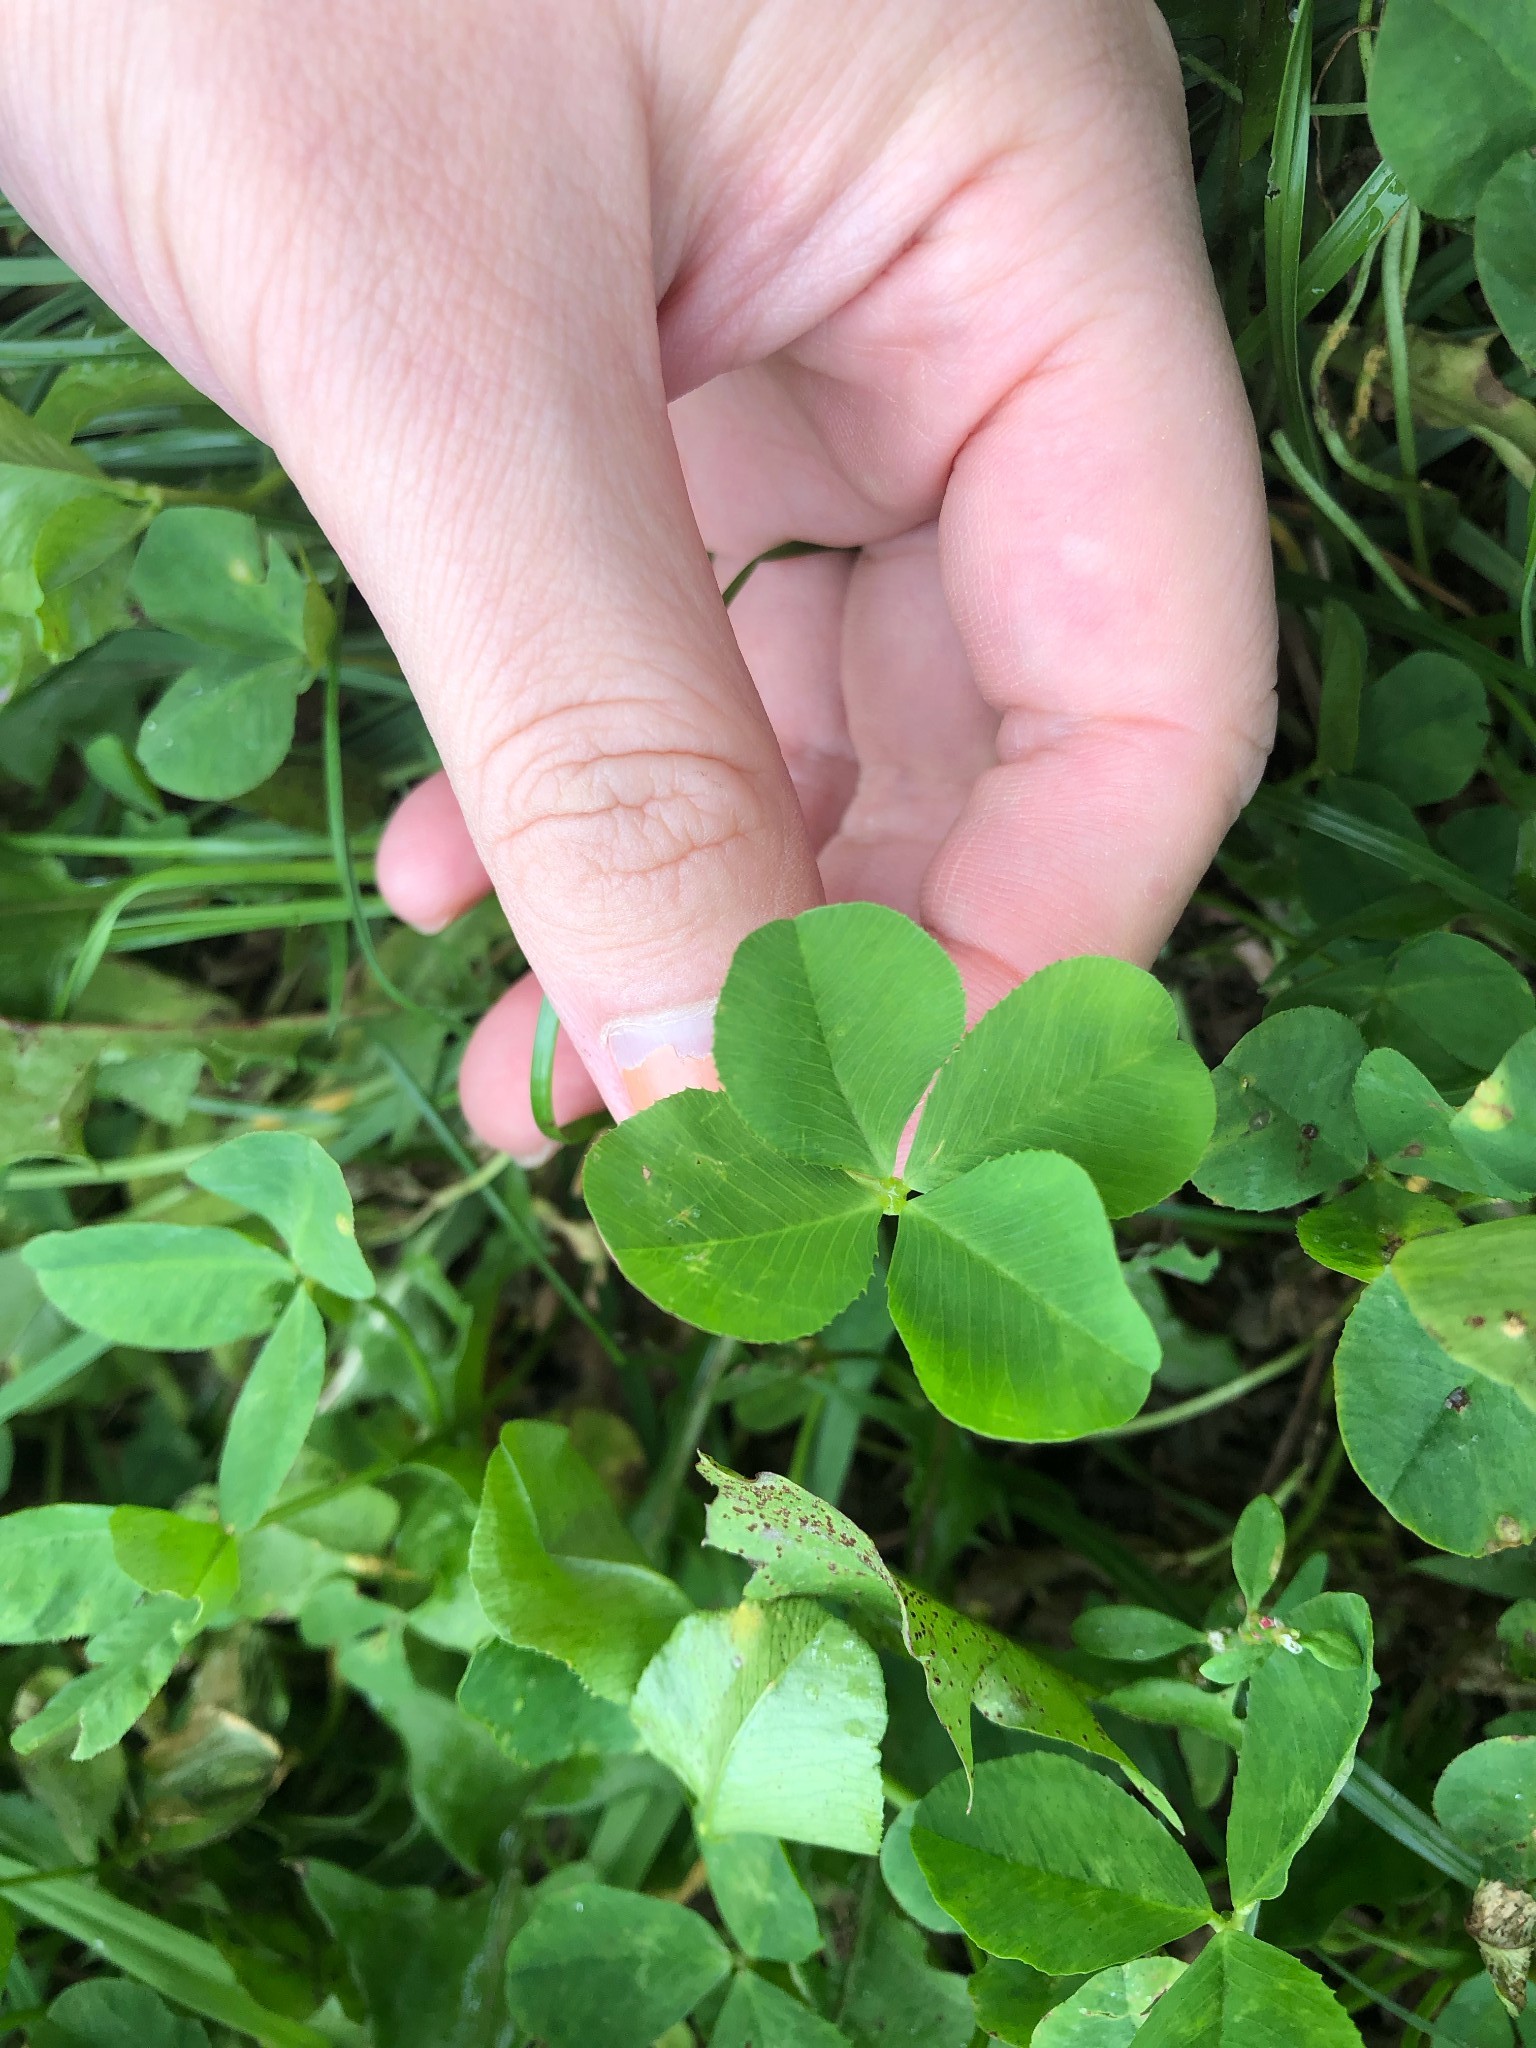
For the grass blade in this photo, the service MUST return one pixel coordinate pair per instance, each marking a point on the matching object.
(1285, 206)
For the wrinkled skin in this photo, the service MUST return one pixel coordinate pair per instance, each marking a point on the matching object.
(543, 304)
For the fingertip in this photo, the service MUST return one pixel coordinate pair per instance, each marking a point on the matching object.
(426, 867)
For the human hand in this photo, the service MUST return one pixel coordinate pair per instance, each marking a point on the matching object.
(921, 278)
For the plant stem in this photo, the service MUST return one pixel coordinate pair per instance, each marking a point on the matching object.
(652, 1520)
(341, 845)
(1214, 1221)
(1390, 2005)
(106, 1172)
(416, 1357)
(459, 1153)
(297, 846)
(1214, 1398)
(1398, 255)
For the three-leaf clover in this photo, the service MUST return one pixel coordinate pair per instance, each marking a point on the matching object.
(756, 1212)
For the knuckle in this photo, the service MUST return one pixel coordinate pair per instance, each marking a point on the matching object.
(595, 822)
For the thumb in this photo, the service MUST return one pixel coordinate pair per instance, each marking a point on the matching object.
(617, 773)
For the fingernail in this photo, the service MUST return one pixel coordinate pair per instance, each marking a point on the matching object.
(536, 1155)
(657, 1056)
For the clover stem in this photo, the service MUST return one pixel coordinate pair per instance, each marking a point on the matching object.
(890, 1187)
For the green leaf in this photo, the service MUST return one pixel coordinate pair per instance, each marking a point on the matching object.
(223, 726)
(1412, 1130)
(45, 1090)
(1286, 1126)
(1055, 1866)
(830, 1027)
(1423, 728)
(28, 443)
(1448, 1003)
(904, 1878)
(1084, 1059)
(1258, 1548)
(1236, 1663)
(1133, 1635)
(158, 1084)
(465, 1790)
(758, 2015)
(1453, 104)
(538, 1709)
(723, 1231)
(1453, 1005)
(81, 563)
(153, 1951)
(65, 550)
(1474, 2017)
(894, 1998)
(1174, 1703)
(761, 1901)
(209, 574)
(110, 765)
(772, 1716)
(1345, 652)
(1009, 1295)
(1475, 1293)
(1011, 1999)
(802, 1546)
(298, 1188)
(1506, 250)
(1340, 882)
(168, 1553)
(166, 1286)
(1107, 2012)
(1496, 1129)
(271, 1419)
(1451, 1454)
(1240, 1993)
(204, 1778)
(557, 1571)
(593, 1967)
(1517, 1635)
(59, 1575)
(424, 1964)
(1486, 1799)
(84, 392)
(1363, 1231)
(1303, 1720)
(1452, 95)
(111, 2012)
(130, 1660)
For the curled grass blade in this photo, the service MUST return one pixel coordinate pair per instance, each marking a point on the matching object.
(541, 1085)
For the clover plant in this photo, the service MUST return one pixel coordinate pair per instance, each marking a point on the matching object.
(758, 1211)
